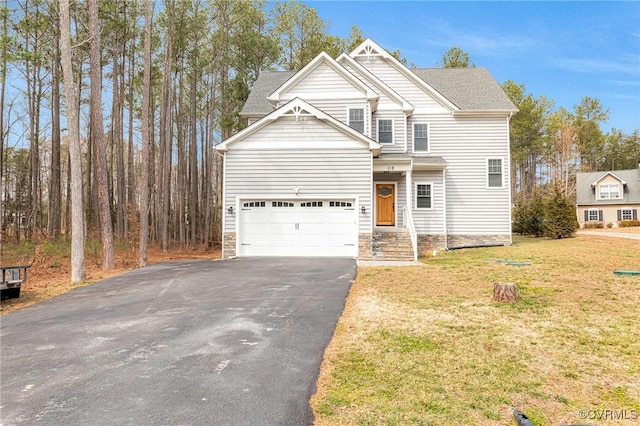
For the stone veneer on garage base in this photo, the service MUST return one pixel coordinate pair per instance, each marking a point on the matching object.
(438, 242)
(365, 246)
(467, 240)
(229, 245)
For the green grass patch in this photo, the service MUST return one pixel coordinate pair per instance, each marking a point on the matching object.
(428, 346)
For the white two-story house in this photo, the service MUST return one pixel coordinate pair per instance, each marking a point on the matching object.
(361, 156)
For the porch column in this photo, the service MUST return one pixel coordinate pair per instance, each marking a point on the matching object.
(409, 184)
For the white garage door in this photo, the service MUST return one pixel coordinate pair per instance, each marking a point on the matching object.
(298, 228)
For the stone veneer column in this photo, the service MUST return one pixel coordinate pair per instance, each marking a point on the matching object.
(229, 245)
(365, 246)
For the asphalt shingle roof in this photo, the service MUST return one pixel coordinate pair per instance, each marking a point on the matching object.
(585, 194)
(470, 89)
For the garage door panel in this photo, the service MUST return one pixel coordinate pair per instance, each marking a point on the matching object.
(298, 228)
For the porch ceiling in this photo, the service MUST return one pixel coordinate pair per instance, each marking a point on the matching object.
(406, 162)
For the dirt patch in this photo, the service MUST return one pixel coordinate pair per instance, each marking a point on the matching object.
(50, 271)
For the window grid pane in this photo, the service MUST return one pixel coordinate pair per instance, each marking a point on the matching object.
(627, 214)
(420, 137)
(423, 196)
(495, 173)
(356, 119)
(385, 131)
(593, 215)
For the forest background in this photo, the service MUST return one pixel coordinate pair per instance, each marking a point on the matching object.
(120, 104)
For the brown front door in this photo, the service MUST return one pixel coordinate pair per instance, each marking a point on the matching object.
(385, 204)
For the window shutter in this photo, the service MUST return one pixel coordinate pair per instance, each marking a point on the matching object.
(586, 215)
(619, 214)
(600, 215)
(635, 214)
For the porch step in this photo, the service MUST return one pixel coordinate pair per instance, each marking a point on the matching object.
(393, 246)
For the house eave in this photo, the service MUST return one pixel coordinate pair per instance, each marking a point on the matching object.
(484, 113)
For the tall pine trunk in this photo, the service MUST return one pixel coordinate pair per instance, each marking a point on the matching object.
(146, 139)
(97, 133)
(55, 188)
(78, 272)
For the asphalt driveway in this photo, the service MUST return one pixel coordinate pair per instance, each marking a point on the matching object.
(235, 342)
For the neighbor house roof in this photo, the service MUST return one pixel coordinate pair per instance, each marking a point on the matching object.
(585, 180)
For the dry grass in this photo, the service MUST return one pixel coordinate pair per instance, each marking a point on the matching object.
(50, 271)
(426, 345)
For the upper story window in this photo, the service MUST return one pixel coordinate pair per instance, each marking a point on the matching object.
(494, 173)
(609, 190)
(385, 131)
(420, 137)
(356, 119)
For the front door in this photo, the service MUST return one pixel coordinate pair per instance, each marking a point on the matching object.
(385, 204)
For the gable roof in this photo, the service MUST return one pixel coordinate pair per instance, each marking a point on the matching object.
(461, 89)
(299, 108)
(266, 83)
(469, 89)
(622, 181)
(322, 58)
(369, 48)
(371, 78)
(585, 181)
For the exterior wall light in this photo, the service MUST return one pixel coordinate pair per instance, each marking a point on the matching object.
(230, 210)
(363, 209)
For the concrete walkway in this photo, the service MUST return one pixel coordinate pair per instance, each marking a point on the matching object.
(609, 234)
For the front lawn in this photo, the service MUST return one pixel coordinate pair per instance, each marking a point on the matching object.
(427, 346)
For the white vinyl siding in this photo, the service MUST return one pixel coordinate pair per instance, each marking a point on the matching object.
(323, 82)
(311, 156)
(429, 220)
(466, 143)
(402, 85)
(384, 129)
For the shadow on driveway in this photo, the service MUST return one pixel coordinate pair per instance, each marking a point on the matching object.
(235, 342)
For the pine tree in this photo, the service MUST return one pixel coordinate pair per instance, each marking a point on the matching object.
(560, 216)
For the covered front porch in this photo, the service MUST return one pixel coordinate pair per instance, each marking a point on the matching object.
(408, 198)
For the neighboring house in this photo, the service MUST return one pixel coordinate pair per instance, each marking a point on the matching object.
(608, 197)
(361, 156)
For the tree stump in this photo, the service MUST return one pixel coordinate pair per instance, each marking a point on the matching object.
(505, 292)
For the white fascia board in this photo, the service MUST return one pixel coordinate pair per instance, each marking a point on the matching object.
(290, 108)
(371, 46)
(307, 69)
(609, 174)
(483, 113)
(407, 108)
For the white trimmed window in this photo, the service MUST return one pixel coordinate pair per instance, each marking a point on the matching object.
(385, 131)
(421, 137)
(494, 173)
(356, 119)
(594, 215)
(424, 196)
(627, 214)
(609, 190)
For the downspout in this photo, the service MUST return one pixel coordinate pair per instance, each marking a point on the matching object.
(406, 136)
(444, 202)
(509, 174)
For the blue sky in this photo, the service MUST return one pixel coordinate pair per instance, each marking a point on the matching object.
(562, 50)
